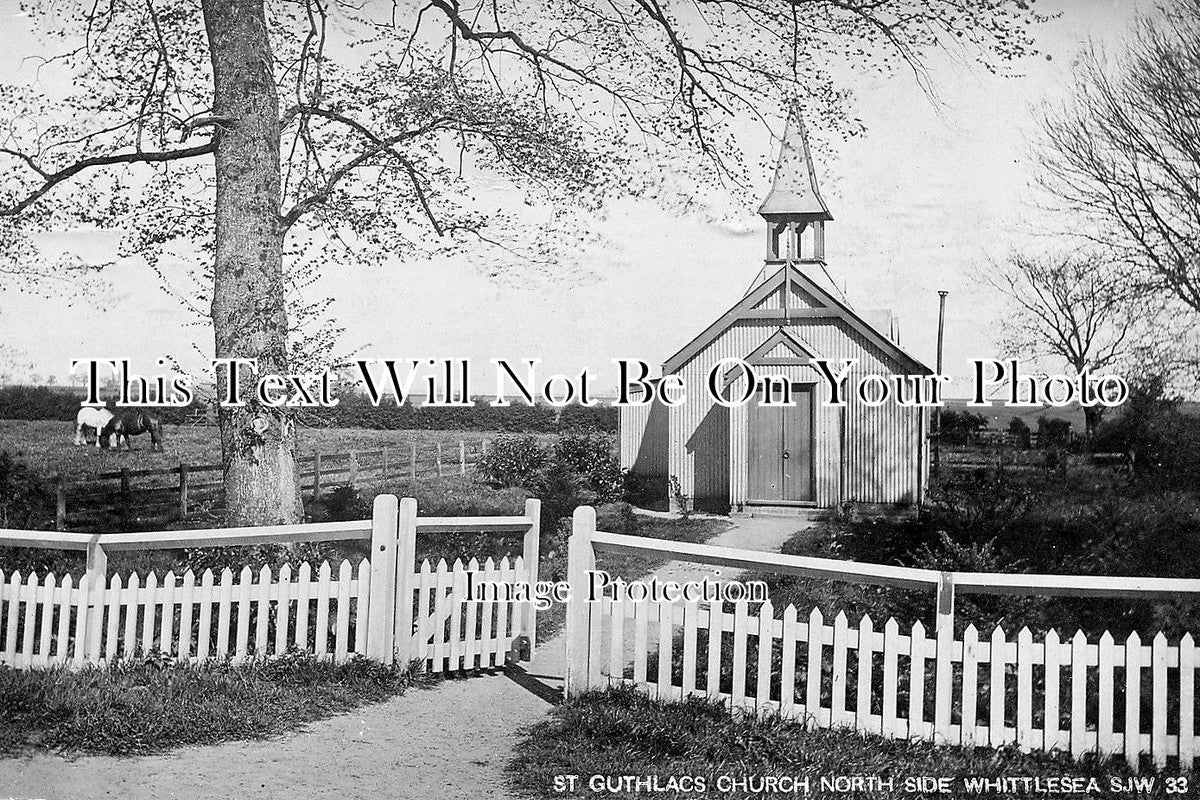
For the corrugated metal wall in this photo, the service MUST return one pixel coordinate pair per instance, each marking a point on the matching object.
(883, 452)
(642, 432)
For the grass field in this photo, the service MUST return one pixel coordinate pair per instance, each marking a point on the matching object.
(48, 447)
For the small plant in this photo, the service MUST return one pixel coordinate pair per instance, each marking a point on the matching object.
(682, 501)
(345, 503)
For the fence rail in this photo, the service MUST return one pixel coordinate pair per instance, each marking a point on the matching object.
(1134, 700)
(386, 607)
(175, 492)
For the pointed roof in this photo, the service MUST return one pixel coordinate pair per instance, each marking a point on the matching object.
(794, 194)
(830, 307)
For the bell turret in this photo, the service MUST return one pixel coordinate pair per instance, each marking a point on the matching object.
(794, 210)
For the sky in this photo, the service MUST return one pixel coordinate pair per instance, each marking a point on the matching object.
(923, 200)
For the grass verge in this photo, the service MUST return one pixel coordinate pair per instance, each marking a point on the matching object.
(620, 732)
(149, 706)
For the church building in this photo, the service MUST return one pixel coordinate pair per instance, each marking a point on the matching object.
(800, 450)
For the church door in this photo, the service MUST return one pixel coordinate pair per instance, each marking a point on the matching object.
(780, 448)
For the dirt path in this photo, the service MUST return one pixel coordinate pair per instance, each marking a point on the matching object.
(451, 741)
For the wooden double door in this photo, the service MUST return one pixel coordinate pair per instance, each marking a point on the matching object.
(780, 448)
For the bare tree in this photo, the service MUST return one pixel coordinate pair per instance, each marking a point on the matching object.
(242, 135)
(1063, 307)
(1122, 155)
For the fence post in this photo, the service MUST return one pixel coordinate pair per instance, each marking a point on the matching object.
(97, 575)
(531, 554)
(580, 559)
(412, 461)
(316, 475)
(353, 478)
(60, 504)
(483, 443)
(439, 459)
(382, 609)
(462, 457)
(183, 490)
(945, 602)
(126, 491)
(406, 556)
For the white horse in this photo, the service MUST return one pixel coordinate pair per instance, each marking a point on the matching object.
(90, 417)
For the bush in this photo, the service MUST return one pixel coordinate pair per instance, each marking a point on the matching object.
(513, 461)
(1020, 433)
(1053, 432)
(25, 500)
(1164, 443)
(592, 456)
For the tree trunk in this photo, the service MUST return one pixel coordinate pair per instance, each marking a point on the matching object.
(258, 443)
(1091, 422)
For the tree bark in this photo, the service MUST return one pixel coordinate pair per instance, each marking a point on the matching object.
(249, 315)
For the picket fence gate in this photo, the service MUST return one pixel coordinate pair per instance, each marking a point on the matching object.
(386, 607)
(1128, 699)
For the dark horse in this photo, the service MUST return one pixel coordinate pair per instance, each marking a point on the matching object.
(132, 422)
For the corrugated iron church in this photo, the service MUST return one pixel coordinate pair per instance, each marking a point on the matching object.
(808, 453)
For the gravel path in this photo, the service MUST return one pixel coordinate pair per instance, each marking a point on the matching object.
(451, 741)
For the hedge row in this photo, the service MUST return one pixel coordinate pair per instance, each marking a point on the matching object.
(42, 403)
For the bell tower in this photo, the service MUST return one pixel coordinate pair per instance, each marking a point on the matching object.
(794, 210)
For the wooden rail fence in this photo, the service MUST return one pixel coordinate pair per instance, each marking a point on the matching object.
(385, 607)
(1133, 700)
(176, 492)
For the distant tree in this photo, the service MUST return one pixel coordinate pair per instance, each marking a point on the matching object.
(1064, 307)
(1122, 154)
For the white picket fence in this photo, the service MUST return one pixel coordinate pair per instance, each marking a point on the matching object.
(1129, 699)
(386, 608)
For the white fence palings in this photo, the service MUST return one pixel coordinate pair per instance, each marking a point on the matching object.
(992, 701)
(43, 620)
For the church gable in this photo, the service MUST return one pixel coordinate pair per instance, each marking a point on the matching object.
(823, 314)
(796, 298)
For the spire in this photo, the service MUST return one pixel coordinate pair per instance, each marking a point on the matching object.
(794, 196)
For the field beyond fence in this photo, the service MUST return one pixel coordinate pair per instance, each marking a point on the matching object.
(174, 493)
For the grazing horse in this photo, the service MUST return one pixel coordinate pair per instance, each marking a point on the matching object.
(132, 422)
(91, 417)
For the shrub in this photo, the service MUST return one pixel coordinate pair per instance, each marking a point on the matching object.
(1019, 431)
(513, 461)
(1053, 432)
(345, 503)
(1164, 443)
(25, 501)
(591, 455)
